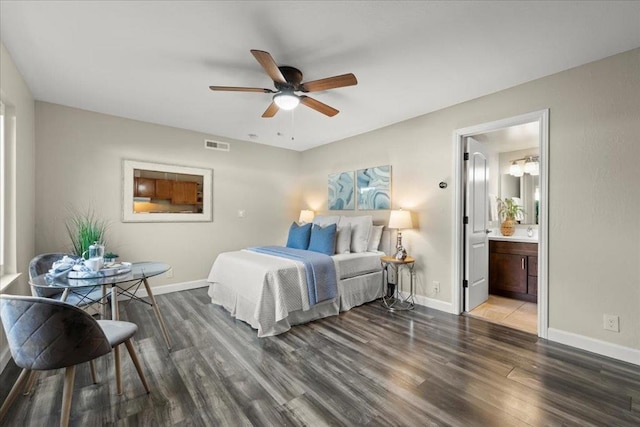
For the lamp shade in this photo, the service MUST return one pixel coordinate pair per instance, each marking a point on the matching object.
(400, 219)
(306, 216)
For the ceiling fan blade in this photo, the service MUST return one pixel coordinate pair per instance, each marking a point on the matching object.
(318, 106)
(329, 83)
(241, 89)
(266, 60)
(271, 110)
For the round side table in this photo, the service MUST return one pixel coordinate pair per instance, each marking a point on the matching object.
(393, 300)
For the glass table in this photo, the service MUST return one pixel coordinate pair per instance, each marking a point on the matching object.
(126, 284)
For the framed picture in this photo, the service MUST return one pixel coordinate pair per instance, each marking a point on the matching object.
(341, 191)
(374, 188)
(155, 192)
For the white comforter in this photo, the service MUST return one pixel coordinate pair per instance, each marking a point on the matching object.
(268, 283)
(270, 292)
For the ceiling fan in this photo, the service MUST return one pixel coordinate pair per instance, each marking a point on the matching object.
(288, 80)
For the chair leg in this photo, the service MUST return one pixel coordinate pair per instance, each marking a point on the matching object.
(156, 310)
(33, 376)
(15, 390)
(136, 363)
(67, 394)
(116, 350)
(116, 356)
(92, 365)
(105, 302)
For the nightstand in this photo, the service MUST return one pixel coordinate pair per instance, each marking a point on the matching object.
(394, 301)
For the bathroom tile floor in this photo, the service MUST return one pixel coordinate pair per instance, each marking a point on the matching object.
(516, 314)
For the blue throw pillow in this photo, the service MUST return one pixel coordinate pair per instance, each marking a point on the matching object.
(299, 236)
(323, 240)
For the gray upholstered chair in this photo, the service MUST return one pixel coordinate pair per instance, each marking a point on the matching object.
(79, 297)
(45, 334)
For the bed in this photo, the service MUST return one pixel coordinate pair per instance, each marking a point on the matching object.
(270, 292)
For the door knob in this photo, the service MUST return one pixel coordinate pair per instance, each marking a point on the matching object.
(488, 231)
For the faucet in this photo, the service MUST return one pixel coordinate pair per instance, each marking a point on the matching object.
(530, 231)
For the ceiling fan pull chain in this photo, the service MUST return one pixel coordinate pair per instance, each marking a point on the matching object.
(293, 112)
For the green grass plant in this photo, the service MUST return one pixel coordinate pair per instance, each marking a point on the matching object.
(85, 228)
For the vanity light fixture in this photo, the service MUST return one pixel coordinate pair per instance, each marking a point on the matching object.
(515, 169)
(531, 166)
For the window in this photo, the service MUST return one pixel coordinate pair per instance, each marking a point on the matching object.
(3, 192)
(7, 196)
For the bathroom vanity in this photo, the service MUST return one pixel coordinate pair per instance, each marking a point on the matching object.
(513, 267)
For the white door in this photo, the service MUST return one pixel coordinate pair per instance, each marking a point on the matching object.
(477, 211)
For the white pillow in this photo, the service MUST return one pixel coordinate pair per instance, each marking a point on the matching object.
(343, 239)
(360, 231)
(324, 220)
(374, 239)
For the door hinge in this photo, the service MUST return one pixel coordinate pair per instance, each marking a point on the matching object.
(465, 283)
(466, 156)
(465, 220)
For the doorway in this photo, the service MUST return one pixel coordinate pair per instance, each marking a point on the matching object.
(471, 244)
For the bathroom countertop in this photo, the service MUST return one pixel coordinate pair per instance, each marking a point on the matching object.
(519, 236)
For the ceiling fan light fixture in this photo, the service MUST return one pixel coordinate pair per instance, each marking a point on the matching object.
(286, 100)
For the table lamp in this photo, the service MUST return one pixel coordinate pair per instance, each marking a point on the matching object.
(399, 220)
(306, 216)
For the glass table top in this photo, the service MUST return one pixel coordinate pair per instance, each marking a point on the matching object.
(139, 271)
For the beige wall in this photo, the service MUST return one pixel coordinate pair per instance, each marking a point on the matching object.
(594, 241)
(17, 96)
(79, 164)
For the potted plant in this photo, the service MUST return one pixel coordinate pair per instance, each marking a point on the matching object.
(85, 228)
(508, 211)
(110, 257)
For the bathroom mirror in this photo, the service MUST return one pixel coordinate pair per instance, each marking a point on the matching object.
(155, 192)
(527, 189)
(514, 168)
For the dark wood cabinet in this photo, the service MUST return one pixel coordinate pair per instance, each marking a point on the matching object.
(144, 187)
(513, 270)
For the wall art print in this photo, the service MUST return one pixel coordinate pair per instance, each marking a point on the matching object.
(374, 188)
(341, 193)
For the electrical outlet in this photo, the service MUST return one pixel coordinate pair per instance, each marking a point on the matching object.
(611, 323)
(436, 286)
(170, 273)
(242, 213)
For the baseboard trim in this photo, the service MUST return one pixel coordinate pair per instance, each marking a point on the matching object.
(167, 289)
(437, 304)
(603, 348)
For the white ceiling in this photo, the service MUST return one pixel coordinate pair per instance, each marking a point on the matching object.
(513, 138)
(154, 60)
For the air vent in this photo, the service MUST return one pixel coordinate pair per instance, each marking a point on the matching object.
(216, 145)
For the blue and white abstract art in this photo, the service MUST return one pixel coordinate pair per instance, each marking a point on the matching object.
(341, 191)
(374, 188)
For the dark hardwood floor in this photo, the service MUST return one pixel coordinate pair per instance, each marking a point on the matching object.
(364, 367)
